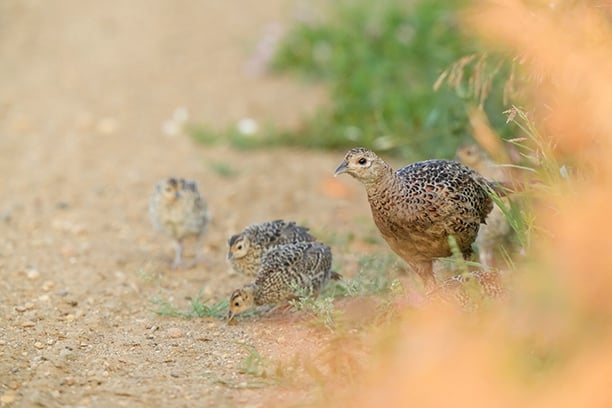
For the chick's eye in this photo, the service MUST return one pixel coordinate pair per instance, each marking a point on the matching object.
(239, 247)
(236, 304)
(363, 160)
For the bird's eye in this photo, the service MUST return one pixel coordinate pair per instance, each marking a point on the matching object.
(363, 160)
(239, 247)
(236, 304)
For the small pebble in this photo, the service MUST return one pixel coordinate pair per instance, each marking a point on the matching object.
(68, 251)
(281, 340)
(48, 285)
(106, 126)
(175, 332)
(71, 302)
(28, 323)
(20, 309)
(32, 274)
(8, 398)
(38, 345)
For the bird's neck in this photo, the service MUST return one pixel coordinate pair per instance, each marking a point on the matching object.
(384, 180)
(255, 293)
(385, 195)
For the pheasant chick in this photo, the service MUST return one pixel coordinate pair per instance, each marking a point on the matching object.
(286, 271)
(247, 247)
(177, 209)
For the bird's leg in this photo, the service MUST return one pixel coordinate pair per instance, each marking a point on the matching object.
(278, 308)
(425, 272)
(199, 253)
(486, 257)
(178, 255)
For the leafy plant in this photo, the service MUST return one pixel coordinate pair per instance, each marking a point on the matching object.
(197, 308)
(319, 306)
(381, 61)
(223, 169)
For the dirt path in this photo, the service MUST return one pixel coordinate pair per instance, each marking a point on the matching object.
(84, 89)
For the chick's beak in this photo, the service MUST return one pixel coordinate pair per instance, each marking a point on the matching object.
(342, 168)
(230, 316)
(229, 256)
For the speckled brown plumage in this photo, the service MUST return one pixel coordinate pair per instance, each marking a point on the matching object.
(497, 231)
(468, 290)
(247, 247)
(418, 207)
(286, 270)
(177, 209)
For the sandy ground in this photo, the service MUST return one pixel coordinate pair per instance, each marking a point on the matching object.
(85, 87)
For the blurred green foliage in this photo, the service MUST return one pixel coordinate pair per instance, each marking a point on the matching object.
(381, 61)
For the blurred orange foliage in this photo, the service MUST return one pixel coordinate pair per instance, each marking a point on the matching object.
(550, 344)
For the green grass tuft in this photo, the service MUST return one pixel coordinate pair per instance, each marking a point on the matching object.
(197, 308)
(223, 169)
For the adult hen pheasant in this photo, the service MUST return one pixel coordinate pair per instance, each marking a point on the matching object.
(496, 232)
(418, 207)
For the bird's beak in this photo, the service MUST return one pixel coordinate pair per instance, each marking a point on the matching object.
(342, 168)
(229, 256)
(230, 316)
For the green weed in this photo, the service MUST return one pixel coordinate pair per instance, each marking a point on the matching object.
(381, 61)
(197, 308)
(258, 366)
(223, 169)
(320, 307)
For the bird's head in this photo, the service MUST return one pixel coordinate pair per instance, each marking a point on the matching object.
(363, 164)
(241, 300)
(470, 155)
(170, 189)
(238, 246)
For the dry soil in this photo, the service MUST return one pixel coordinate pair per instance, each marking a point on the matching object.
(85, 90)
